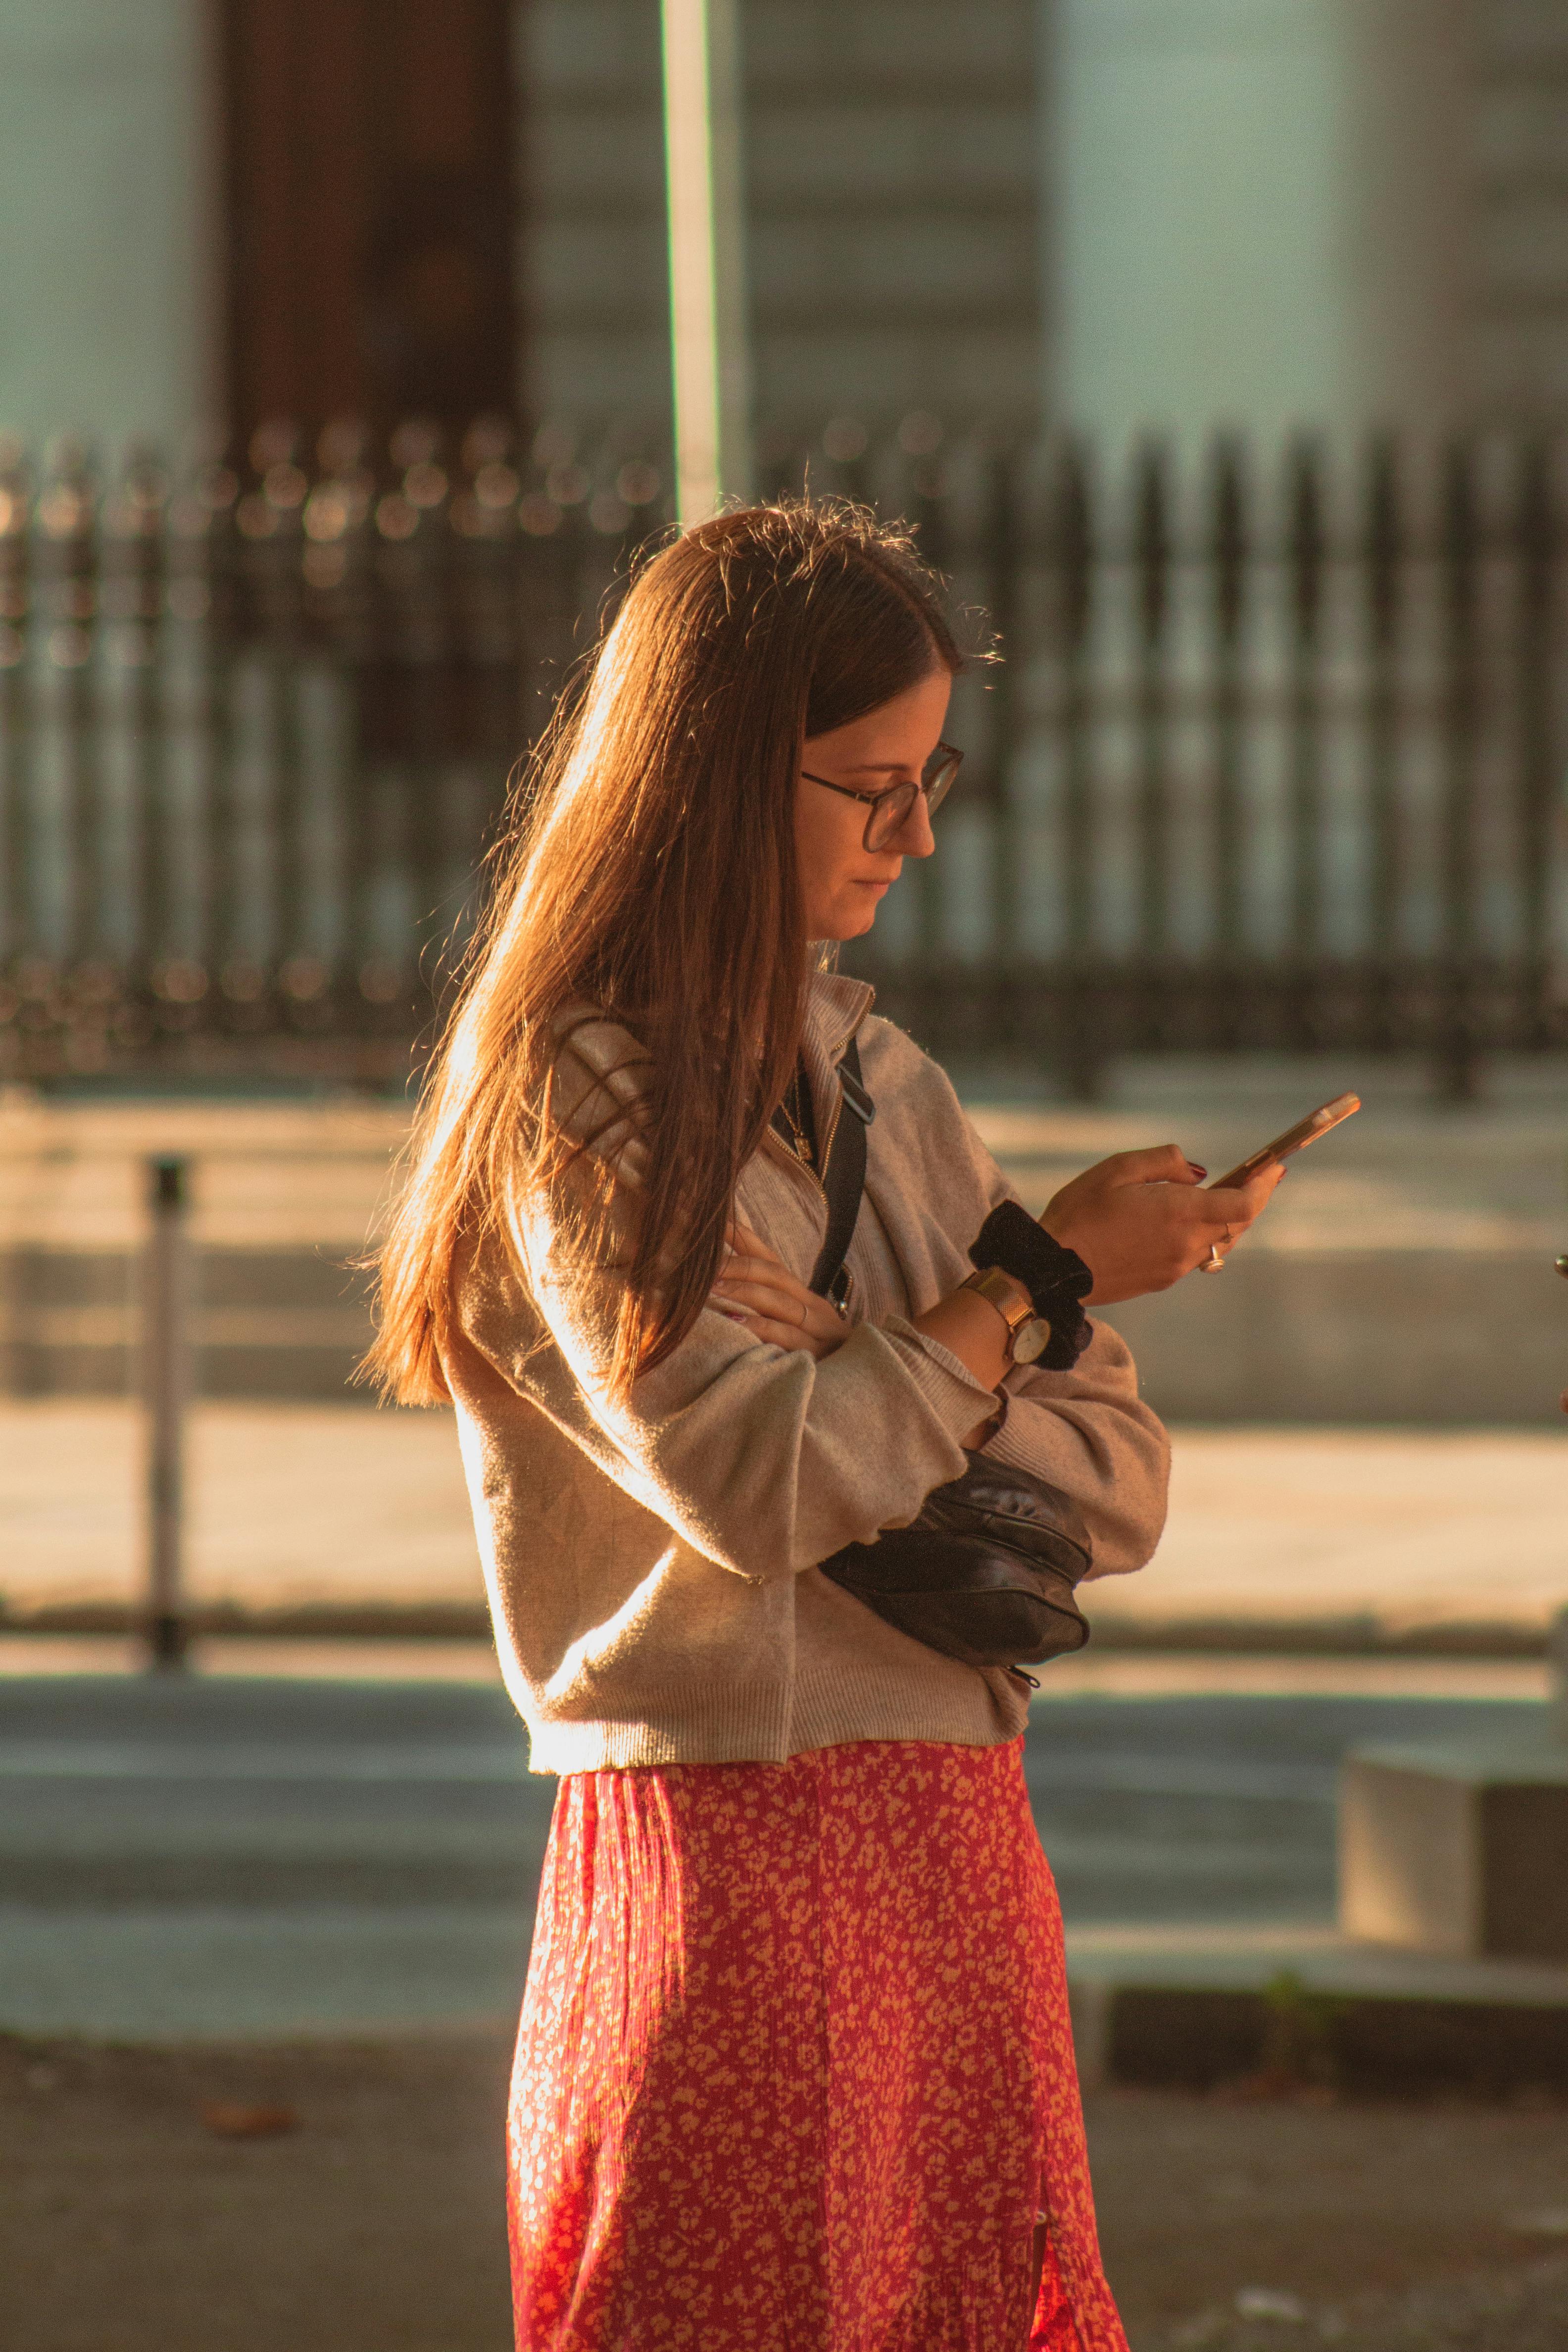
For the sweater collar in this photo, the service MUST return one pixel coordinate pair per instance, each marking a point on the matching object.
(836, 1006)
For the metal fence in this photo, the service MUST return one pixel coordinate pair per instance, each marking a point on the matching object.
(1274, 758)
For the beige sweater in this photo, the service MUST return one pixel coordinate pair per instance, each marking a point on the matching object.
(652, 1565)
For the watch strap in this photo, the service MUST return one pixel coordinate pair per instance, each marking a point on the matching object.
(1000, 1289)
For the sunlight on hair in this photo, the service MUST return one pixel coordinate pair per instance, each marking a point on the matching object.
(651, 884)
(596, 718)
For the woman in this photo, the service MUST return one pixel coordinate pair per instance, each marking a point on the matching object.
(794, 2068)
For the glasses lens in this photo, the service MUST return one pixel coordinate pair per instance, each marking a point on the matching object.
(890, 814)
(941, 769)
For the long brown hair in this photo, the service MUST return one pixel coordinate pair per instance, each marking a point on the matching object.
(652, 876)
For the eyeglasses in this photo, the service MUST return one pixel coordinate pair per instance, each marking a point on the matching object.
(890, 810)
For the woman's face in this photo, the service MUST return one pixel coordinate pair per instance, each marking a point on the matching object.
(842, 882)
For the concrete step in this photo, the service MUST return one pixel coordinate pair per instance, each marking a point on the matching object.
(183, 1857)
(1403, 1276)
(264, 1322)
(285, 1196)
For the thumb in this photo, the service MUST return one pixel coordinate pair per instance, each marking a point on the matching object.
(1163, 1163)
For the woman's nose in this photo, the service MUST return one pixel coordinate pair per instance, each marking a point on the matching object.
(914, 837)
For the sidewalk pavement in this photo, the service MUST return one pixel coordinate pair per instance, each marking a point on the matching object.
(1360, 1536)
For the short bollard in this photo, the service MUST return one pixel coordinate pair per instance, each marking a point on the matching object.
(166, 1371)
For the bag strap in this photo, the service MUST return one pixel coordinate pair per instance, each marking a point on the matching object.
(843, 1178)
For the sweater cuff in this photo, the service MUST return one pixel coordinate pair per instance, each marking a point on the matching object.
(1007, 1444)
(946, 1383)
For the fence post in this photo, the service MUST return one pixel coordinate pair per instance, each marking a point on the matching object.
(1073, 543)
(166, 1319)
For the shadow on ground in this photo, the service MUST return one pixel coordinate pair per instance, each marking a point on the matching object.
(375, 2223)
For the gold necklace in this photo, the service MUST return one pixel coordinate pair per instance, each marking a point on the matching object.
(800, 1141)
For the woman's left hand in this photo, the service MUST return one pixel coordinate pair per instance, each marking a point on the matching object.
(756, 1288)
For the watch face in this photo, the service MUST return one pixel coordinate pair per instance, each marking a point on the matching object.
(1031, 1339)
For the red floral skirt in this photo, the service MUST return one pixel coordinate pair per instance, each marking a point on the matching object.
(795, 2072)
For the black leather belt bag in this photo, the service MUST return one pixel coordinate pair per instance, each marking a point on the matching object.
(985, 1573)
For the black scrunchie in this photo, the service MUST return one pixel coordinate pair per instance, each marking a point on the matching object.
(1056, 1279)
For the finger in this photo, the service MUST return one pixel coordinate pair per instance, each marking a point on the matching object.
(745, 1243)
(789, 1337)
(767, 1270)
(738, 1315)
(1193, 1213)
(1213, 1211)
(1162, 1163)
(1241, 1204)
(762, 1298)
(786, 1302)
(781, 1331)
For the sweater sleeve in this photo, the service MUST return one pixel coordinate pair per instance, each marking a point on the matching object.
(764, 1459)
(1089, 1432)
(761, 1457)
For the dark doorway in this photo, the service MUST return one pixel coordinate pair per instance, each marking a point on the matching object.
(372, 209)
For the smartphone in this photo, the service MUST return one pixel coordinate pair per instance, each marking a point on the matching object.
(1295, 1138)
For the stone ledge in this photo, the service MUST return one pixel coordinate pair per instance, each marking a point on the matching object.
(1164, 1637)
(1275, 2006)
(1457, 1851)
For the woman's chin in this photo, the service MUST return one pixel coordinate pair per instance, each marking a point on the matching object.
(850, 922)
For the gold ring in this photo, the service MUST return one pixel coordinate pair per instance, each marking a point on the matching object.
(802, 1313)
(1213, 1263)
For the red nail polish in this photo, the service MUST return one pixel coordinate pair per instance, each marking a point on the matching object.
(1196, 1169)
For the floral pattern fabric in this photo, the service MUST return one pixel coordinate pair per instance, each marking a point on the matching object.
(795, 2072)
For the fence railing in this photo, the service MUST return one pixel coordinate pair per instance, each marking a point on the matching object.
(1274, 756)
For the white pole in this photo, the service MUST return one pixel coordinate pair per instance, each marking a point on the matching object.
(166, 1371)
(709, 361)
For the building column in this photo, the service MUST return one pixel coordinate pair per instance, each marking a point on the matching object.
(108, 203)
(1256, 214)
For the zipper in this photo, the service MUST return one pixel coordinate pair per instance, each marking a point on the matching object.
(793, 1159)
(835, 1112)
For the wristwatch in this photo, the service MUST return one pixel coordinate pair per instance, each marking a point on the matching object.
(1028, 1334)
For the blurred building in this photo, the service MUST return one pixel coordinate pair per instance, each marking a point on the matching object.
(1341, 212)
(237, 209)
(1177, 211)
(256, 715)
(892, 155)
(369, 207)
(1168, 211)
(109, 263)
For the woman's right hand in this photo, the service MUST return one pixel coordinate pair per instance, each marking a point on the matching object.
(756, 1288)
(1140, 1220)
